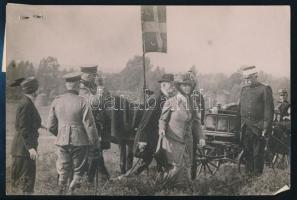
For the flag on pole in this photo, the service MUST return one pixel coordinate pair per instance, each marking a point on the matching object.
(154, 33)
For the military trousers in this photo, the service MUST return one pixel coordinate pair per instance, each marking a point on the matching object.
(23, 174)
(71, 161)
(254, 149)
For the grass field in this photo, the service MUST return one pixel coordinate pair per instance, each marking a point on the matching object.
(227, 181)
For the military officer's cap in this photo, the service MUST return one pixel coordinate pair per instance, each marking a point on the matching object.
(72, 77)
(89, 69)
(283, 92)
(249, 71)
(29, 85)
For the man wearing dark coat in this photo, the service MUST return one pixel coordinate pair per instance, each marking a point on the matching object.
(25, 141)
(256, 111)
(147, 132)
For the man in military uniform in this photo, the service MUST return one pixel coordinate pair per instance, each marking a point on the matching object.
(88, 90)
(198, 97)
(147, 132)
(283, 105)
(102, 120)
(25, 142)
(256, 111)
(71, 120)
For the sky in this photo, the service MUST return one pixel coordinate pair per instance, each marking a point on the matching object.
(213, 38)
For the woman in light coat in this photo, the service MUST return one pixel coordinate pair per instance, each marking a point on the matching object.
(180, 128)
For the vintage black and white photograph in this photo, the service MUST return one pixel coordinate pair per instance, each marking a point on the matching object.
(147, 100)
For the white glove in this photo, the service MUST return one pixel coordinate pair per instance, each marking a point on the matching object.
(202, 142)
(33, 154)
(142, 145)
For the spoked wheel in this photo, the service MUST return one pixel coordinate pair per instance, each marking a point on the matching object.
(280, 161)
(207, 160)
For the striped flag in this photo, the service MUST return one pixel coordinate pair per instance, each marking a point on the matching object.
(154, 33)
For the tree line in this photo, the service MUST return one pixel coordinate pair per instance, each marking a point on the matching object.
(216, 87)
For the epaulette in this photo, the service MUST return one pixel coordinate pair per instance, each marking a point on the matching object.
(264, 84)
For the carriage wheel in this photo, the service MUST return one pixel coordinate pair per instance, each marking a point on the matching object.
(280, 161)
(207, 160)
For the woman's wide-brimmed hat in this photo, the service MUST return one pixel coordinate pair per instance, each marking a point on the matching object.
(184, 79)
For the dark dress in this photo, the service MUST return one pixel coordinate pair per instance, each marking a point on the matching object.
(27, 123)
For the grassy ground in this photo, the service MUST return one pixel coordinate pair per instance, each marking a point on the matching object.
(227, 181)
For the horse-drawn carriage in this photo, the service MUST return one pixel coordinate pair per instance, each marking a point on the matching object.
(223, 141)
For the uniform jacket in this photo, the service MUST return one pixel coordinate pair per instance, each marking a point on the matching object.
(71, 120)
(148, 128)
(256, 107)
(27, 123)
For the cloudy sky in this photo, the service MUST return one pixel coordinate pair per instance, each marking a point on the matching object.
(214, 38)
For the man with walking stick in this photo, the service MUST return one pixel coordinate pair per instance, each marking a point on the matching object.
(146, 138)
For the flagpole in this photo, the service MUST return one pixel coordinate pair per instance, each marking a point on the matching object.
(144, 74)
(143, 64)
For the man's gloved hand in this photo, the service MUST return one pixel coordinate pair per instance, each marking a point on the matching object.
(141, 146)
(33, 154)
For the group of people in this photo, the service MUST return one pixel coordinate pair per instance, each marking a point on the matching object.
(173, 124)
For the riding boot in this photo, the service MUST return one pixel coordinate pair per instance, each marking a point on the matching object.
(193, 172)
(123, 153)
(129, 163)
(102, 169)
(92, 170)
